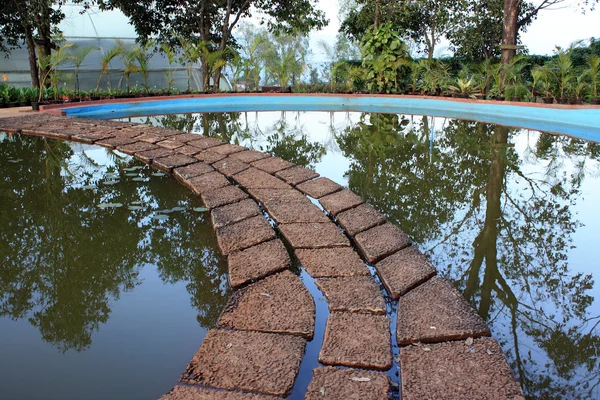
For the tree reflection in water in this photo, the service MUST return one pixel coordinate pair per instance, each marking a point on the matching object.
(498, 223)
(64, 261)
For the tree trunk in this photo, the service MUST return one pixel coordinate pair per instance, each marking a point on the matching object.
(33, 67)
(510, 31)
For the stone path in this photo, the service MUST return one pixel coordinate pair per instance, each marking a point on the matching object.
(256, 349)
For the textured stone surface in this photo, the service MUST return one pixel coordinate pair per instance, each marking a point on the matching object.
(457, 371)
(290, 195)
(209, 156)
(198, 393)
(340, 261)
(184, 174)
(88, 137)
(204, 142)
(253, 178)
(223, 196)
(167, 163)
(286, 212)
(272, 164)
(276, 304)
(249, 156)
(112, 143)
(228, 149)
(133, 148)
(259, 362)
(169, 144)
(186, 137)
(313, 235)
(340, 201)
(381, 241)
(296, 175)
(257, 262)
(235, 212)
(207, 182)
(148, 156)
(353, 294)
(244, 234)
(404, 270)
(188, 150)
(360, 219)
(435, 312)
(330, 383)
(230, 166)
(357, 340)
(150, 138)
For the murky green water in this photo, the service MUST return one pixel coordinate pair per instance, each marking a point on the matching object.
(509, 215)
(97, 300)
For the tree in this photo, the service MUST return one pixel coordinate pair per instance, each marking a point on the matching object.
(214, 21)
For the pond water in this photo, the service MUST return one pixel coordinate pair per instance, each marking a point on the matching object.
(508, 215)
(109, 278)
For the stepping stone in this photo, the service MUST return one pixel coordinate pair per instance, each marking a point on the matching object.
(167, 163)
(272, 164)
(340, 201)
(209, 156)
(207, 182)
(170, 144)
(186, 137)
(148, 156)
(353, 294)
(198, 393)
(230, 166)
(404, 270)
(257, 262)
(360, 219)
(313, 235)
(253, 178)
(88, 138)
(233, 213)
(123, 132)
(133, 148)
(149, 138)
(203, 142)
(291, 195)
(254, 361)
(456, 371)
(285, 212)
(188, 150)
(227, 149)
(184, 174)
(276, 304)
(437, 312)
(296, 175)
(357, 340)
(340, 261)
(223, 196)
(57, 135)
(381, 241)
(244, 234)
(113, 142)
(249, 156)
(330, 383)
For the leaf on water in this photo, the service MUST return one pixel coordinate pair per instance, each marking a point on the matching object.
(200, 209)
(165, 211)
(137, 203)
(131, 174)
(178, 208)
(469, 341)
(159, 174)
(131, 169)
(89, 187)
(139, 179)
(133, 208)
(110, 205)
(110, 182)
(358, 379)
(160, 217)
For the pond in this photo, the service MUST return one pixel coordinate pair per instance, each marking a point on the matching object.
(110, 278)
(508, 215)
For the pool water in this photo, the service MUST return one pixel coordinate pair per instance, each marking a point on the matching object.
(508, 215)
(109, 278)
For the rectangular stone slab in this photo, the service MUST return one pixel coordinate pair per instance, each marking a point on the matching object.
(207, 182)
(204, 142)
(184, 174)
(149, 138)
(277, 304)
(188, 150)
(169, 144)
(381, 241)
(253, 178)
(296, 175)
(272, 164)
(148, 156)
(244, 234)
(249, 156)
(230, 166)
(286, 212)
(340, 201)
(257, 262)
(167, 163)
(457, 371)
(330, 383)
(436, 312)
(111, 143)
(404, 270)
(209, 157)
(360, 219)
(313, 235)
(339, 261)
(353, 294)
(228, 149)
(289, 195)
(92, 137)
(186, 137)
(236, 212)
(254, 361)
(199, 393)
(223, 196)
(133, 148)
(357, 340)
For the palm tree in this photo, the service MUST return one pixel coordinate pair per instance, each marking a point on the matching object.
(594, 73)
(78, 54)
(105, 64)
(169, 72)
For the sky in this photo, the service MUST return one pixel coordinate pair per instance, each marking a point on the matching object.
(553, 27)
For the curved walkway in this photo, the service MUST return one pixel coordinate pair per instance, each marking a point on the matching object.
(266, 219)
